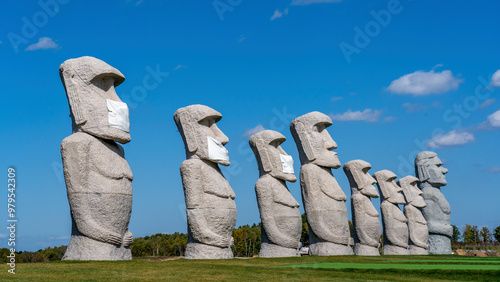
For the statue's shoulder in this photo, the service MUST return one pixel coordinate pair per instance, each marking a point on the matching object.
(77, 139)
(191, 164)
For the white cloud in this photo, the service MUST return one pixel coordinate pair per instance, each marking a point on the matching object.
(389, 119)
(3, 235)
(309, 2)
(487, 102)
(495, 79)
(494, 169)
(252, 131)
(335, 99)
(241, 39)
(494, 119)
(450, 139)
(368, 115)
(277, 14)
(424, 83)
(180, 67)
(43, 43)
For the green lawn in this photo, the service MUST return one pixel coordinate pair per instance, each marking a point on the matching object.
(393, 268)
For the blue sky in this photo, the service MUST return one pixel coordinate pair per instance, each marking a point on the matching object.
(397, 77)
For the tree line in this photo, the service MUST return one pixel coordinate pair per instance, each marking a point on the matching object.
(246, 243)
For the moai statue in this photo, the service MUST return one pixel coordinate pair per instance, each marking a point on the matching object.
(365, 217)
(393, 219)
(98, 178)
(323, 199)
(431, 176)
(210, 207)
(417, 226)
(279, 212)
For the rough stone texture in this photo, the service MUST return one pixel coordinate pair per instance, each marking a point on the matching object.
(417, 225)
(323, 199)
(431, 175)
(211, 211)
(98, 178)
(279, 211)
(393, 219)
(365, 217)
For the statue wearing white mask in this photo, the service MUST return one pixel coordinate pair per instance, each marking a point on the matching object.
(323, 199)
(365, 217)
(417, 225)
(279, 212)
(210, 207)
(98, 178)
(393, 219)
(437, 212)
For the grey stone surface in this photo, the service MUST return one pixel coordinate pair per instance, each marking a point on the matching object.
(210, 206)
(323, 199)
(279, 211)
(417, 225)
(431, 176)
(393, 219)
(365, 217)
(98, 178)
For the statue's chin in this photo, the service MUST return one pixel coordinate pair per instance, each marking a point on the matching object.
(290, 177)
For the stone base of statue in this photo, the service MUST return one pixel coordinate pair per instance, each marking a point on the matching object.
(202, 251)
(439, 245)
(268, 250)
(394, 250)
(365, 250)
(329, 249)
(416, 250)
(83, 248)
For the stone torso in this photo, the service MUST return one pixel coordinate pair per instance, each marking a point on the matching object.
(321, 193)
(275, 200)
(365, 219)
(417, 226)
(394, 221)
(99, 187)
(205, 188)
(438, 209)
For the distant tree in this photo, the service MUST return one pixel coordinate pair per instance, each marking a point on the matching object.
(246, 241)
(304, 237)
(485, 235)
(470, 235)
(456, 235)
(381, 243)
(496, 234)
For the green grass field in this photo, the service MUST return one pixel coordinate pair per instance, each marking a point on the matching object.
(388, 268)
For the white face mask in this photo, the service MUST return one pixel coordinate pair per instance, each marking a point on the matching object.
(216, 151)
(118, 115)
(287, 163)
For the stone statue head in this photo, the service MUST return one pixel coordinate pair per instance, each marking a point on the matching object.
(95, 107)
(428, 168)
(271, 158)
(314, 143)
(388, 188)
(411, 191)
(202, 138)
(359, 178)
